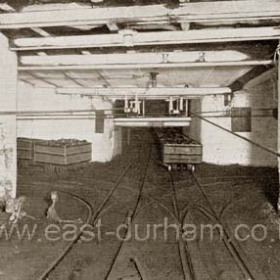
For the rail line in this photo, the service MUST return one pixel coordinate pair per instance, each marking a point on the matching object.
(179, 215)
(92, 218)
(227, 237)
(56, 262)
(131, 215)
(184, 253)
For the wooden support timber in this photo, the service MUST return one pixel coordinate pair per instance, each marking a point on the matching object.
(205, 35)
(153, 122)
(201, 12)
(145, 93)
(138, 61)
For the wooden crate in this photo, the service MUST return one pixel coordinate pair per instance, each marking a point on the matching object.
(25, 148)
(62, 153)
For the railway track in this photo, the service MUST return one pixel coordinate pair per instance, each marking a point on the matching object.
(179, 213)
(131, 216)
(205, 207)
(232, 246)
(94, 215)
(179, 216)
(92, 218)
(185, 256)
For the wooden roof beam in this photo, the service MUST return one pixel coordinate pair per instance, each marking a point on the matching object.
(40, 31)
(44, 80)
(71, 78)
(139, 60)
(150, 66)
(113, 27)
(145, 93)
(189, 12)
(7, 8)
(75, 77)
(148, 38)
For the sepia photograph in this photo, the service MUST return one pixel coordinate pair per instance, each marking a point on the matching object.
(139, 140)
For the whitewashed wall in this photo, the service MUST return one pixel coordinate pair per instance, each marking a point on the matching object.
(8, 93)
(220, 147)
(104, 146)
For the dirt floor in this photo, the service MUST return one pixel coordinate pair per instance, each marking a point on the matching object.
(242, 198)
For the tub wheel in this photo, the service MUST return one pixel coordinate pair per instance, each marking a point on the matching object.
(192, 168)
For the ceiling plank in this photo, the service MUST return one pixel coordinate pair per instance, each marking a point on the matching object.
(135, 58)
(210, 35)
(190, 12)
(154, 122)
(86, 52)
(76, 77)
(139, 60)
(145, 93)
(73, 79)
(7, 8)
(149, 66)
(44, 80)
(40, 31)
(185, 26)
(103, 78)
(147, 27)
(113, 27)
(27, 81)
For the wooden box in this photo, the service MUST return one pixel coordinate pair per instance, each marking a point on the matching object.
(62, 152)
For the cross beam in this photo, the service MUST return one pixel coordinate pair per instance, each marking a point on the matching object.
(202, 12)
(144, 93)
(139, 60)
(133, 38)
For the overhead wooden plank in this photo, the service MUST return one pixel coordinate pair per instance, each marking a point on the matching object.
(139, 60)
(149, 38)
(113, 27)
(27, 82)
(42, 53)
(86, 52)
(42, 79)
(7, 8)
(135, 58)
(152, 122)
(41, 32)
(73, 79)
(193, 12)
(103, 78)
(185, 26)
(149, 66)
(144, 93)
(147, 27)
(77, 79)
